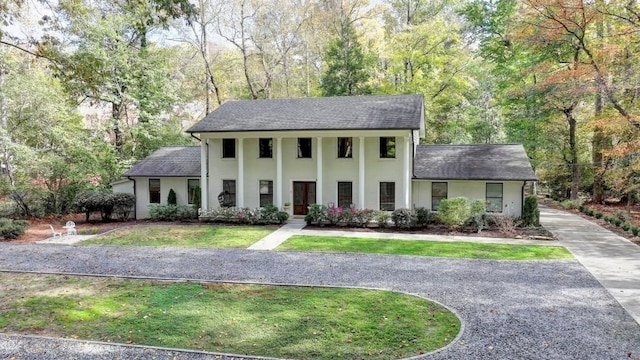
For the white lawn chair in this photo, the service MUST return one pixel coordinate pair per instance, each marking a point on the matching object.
(55, 233)
(71, 228)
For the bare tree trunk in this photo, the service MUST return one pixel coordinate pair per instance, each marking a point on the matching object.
(599, 139)
(116, 116)
(575, 171)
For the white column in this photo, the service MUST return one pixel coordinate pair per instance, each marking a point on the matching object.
(319, 172)
(240, 183)
(407, 172)
(204, 180)
(361, 172)
(278, 185)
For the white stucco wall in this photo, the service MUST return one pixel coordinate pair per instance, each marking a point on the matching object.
(178, 184)
(122, 186)
(334, 169)
(511, 193)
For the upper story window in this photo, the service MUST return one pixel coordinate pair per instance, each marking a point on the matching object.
(304, 148)
(345, 147)
(228, 148)
(387, 147)
(265, 147)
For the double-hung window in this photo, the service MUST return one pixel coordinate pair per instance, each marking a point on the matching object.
(304, 148)
(192, 185)
(494, 197)
(228, 148)
(154, 191)
(345, 194)
(345, 147)
(387, 147)
(266, 193)
(387, 196)
(438, 193)
(227, 197)
(265, 148)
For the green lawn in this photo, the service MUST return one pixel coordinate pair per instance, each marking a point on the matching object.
(286, 322)
(425, 248)
(184, 235)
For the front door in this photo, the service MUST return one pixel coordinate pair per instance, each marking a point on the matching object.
(304, 194)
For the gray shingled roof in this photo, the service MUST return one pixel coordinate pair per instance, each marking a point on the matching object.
(329, 113)
(472, 162)
(172, 161)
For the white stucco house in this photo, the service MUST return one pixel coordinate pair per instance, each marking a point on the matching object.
(360, 151)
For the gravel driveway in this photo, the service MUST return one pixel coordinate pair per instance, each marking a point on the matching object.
(510, 309)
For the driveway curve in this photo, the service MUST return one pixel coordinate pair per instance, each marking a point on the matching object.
(510, 309)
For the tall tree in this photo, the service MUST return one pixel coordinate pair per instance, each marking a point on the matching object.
(347, 65)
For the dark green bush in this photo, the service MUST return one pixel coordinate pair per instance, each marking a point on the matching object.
(424, 217)
(608, 218)
(617, 222)
(598, 214)
(625, 226)
(403, 218)
(530, 212)
(635, 231)
(11, 229)
(171, 198)
(589, 211)
(104, 201)
(581, 208)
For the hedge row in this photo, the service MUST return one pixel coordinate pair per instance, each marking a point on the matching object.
(261, 215)
(620, 219)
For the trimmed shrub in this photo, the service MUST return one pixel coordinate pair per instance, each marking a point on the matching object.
(171, 198)
(454, 212)
(172, 212)
(569, 204)
(123, 204)
(598, 214)
(264, 215)
(623, 215)
(530, 212)
(403, 218)
(617, 222)
(361, 217)
(424, 217)
(635, 231)
(477, 219)
(335, 215)
(11, 229)
(589, 211)
(317, 214)
(608, 218)
(382, 218)
(625, 226)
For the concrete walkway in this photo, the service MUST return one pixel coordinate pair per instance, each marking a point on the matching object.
(613, 260)
(271, 241)
(65, 239)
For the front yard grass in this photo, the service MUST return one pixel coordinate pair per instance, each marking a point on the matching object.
(211, 236)
(284, 322)
(425, 248)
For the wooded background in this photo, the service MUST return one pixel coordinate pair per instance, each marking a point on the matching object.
(89, 87)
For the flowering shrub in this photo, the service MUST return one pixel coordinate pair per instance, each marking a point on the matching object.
(334, 215)
(263, 215)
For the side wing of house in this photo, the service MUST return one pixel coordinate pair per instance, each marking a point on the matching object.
(174, 168)
(495, 174)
